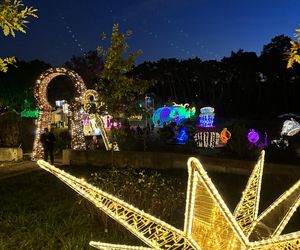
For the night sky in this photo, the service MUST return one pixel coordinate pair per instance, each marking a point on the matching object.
(161, 28)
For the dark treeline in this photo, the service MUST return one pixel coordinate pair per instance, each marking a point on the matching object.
(242, 85)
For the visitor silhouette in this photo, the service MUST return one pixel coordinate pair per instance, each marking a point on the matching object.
(47, 140)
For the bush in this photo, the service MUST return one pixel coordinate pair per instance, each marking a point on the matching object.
(150, 191)
(63, 139)
(10, 132)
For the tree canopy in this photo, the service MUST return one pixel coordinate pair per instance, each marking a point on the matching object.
(294, 53)
(117, 87)
(13, 17)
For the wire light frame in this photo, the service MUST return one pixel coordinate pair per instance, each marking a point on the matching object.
(208, 223)
(45, 108)
(92, 105)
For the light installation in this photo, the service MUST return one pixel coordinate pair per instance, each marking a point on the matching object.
(225, 135)
(182, 136)
(45, 108)
(207, 117)
(253, 139)
(176, 113)
(253, 136)
(207, 137)
(290, 127)
(92, 104)
(208, 223)
(30, 113)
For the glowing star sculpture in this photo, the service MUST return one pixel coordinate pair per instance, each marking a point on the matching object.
(91, 105)
(209, 225)
(45, 108)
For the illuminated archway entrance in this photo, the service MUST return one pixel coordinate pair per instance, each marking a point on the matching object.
(44, 119)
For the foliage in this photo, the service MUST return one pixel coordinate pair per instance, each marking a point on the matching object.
(294, 53)
(116, 86)
(154, 192)
(4, 62)
(10, 133)
(13, 17)
(88, 67)
(18, 83)
(242, 85)
(63, 139)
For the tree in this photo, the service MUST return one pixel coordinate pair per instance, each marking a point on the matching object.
(89, 67)
(294, 53)
(13, 17)
(118, 88)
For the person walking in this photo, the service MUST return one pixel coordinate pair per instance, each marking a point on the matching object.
(47, 140)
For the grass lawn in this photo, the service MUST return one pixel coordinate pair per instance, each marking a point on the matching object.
(37, 211)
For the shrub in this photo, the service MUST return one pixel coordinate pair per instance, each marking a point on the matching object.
(10, 132)
(63, 139)
(150, 191)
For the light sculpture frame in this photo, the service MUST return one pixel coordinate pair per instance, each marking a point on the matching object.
(91, 98)
(208, 222)
(45, 108)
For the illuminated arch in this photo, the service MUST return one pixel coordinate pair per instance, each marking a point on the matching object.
(44, 119)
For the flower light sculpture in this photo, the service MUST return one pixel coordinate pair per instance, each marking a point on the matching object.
(45, 108)
(208, 223)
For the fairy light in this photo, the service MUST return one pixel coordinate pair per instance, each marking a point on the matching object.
(208, 222)
(247, 209)
(45, 108)
(91, 98)
(107, 246)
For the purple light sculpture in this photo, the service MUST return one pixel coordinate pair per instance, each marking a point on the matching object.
(253, 136)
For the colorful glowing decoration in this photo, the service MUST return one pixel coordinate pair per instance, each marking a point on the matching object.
(91, 105)
(182, 136)
(207, 117)
(176, 113)
(225, 135)
(45, 108)
(207, 139)
(290, 127)
(208, 222)
(253, 136)
(29, 113)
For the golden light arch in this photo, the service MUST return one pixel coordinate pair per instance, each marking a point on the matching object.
(45, 108)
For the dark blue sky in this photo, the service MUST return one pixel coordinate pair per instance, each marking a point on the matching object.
(161, 28)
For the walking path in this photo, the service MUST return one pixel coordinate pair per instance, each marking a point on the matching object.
(10, 169)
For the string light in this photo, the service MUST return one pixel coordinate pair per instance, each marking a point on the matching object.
(208, 222)
(92, 100)
(45, 108)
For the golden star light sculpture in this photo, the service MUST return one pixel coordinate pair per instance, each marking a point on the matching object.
(208, 225)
